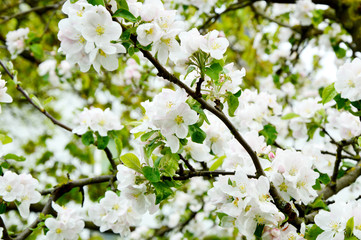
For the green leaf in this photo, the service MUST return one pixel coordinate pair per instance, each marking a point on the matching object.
(197, 134)
(5, 139)
(87, 138)
(349, 227)
(124, 13)
(131, 161)
(324, 178)
(147, 135)
(259, 231)
(359, 141)
(152, 174)
(213, 71)
(233, 104)
(196, 106)
(313, 232)
(341, 102)
(238, 94)
(118, 145)
(36, 101)
(102, 142)
(123, 4)
(37, 50)
(311, 129)
(48, 100)
(96, 2)
(2, 208)
(189, 70)
(357, 114)
(328, 93)
(169, 162)
(5, 165)
(131, 51)
(126, 35)
(162, 191)
(217, 163)
(289, 116)
(319, 204)
(14, 157)
(270, 133)
(152, 145)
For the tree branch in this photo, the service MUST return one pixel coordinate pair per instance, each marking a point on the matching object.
(5, 230)
(40, 9)
(337, 166)
(345, 181)
(56, 193)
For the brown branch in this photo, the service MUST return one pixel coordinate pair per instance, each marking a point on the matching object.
(355, 158)
(5, 230)
(56, 193)
(200, 173)
(345, 181)
(40, 9)
(187, 163)
(337, 166)
(213, 19)
(79, 183)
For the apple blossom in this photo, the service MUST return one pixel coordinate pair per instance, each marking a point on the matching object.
(4, 97)
(15, 41)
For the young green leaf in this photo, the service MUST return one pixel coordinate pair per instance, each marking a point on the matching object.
(102, 142)
(96, 2)
(328, 93)
(233, 104)
(87, 138)
(124, 13)
(131, 161)
(270, 133)
(289, 116)
(217, 163)
(152, 174)
(197, 134)
(14, 157)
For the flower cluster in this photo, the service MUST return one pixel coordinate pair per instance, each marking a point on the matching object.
(66, 226)
(118, 213)
(15, 41)
(4, 97)
(293, 176)
(169, 113)
(162, 29)
(97, 120)
(19, 188)
(246, 202)
(86, 36)
(333, 222)
(349, 80)
(303, 11)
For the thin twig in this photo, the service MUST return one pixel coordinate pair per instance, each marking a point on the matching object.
(40, 9)
(5, 230)
(187, 163)
(337, 165)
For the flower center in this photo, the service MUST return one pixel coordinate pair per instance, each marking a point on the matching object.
(179, 120)
(283, 187)
(100, 30)
(8, 188)
(58, 230)
(101, 52)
